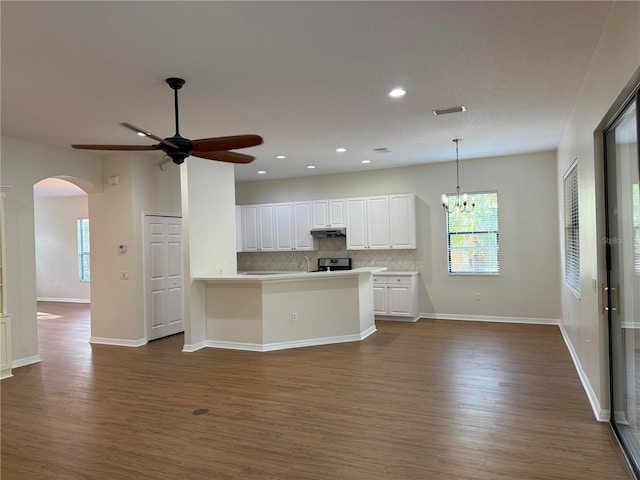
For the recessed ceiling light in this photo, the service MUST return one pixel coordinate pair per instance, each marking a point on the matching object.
(397, 93)
(341, 150)
(310, 167)
(365, 161)
(281, 156)
(444, 111)
(261, 172)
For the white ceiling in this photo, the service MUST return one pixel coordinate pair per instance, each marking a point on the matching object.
(307, 76)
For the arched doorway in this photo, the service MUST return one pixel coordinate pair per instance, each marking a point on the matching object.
(62, 259)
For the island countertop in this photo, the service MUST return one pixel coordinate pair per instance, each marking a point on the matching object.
(263, 311)
(279, 276)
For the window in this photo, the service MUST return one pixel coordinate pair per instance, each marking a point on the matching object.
(635, 191)
(571, 231)
(472, 237)
(83, 250)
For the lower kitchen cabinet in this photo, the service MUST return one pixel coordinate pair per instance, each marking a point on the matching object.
(395, 296)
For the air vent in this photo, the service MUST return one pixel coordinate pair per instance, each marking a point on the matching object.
(445, 111)
(382, 150)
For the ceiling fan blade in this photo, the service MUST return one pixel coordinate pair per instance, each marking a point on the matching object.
(149, 134)
(230, 157)
(226, 143)
(116, 147)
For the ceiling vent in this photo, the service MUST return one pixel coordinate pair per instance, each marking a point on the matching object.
(445, 111)
(382, 150)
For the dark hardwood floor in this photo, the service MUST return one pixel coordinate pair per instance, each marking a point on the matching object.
(431, 400)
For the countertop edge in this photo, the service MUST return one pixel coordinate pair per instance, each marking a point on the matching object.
(287, 276)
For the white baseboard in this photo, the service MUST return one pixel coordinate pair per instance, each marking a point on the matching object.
(119, 342)
(193, 347)
(312, 342)
(388, 318)
(5, 376)
(64, 300)
(484, 318)
(601, 414)
(23, 362)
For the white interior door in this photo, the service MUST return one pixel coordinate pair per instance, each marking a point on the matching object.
(163, 276)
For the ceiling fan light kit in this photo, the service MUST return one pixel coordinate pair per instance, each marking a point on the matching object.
(178, 148)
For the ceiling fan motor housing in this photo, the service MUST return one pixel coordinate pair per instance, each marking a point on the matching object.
(185, 149)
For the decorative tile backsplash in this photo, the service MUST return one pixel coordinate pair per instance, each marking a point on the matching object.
(394, 260)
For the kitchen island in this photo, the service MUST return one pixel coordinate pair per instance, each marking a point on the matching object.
(263, 311)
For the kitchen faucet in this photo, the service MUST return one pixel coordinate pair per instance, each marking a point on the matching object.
(307, 259)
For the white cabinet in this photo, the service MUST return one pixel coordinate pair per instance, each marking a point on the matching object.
(380, 302)
(258, 228)
(293, 227)
(395, 296)
(6, 357)
(329, 213)
(357, 224)
(284, 226)
(402, 221)
(378, 232)
(376, 223)
(381, 222)
(302, 227)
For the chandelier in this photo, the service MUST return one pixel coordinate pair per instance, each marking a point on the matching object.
(457, 203)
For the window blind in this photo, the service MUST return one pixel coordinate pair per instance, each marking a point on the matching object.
(635, 190)
(472, 237)
(84, 269)
(572, 230)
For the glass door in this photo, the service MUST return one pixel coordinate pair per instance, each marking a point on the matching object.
(621, 294)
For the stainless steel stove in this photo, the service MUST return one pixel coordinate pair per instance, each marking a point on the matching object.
(325, 264)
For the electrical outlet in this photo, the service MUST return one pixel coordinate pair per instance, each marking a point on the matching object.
(294, 317)
(477, 296)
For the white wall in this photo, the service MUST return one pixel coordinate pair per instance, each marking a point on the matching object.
(209, 236)
(116, 215)
(614, 70)
(528, 285)
(57, 262)
(23, 165)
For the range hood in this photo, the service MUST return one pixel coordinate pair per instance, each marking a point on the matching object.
(328, 232)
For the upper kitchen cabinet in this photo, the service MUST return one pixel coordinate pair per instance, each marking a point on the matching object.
(258, 230)
(293, 226)
(381, 222)
(302, 219)
(329, 213)
(402, 221)
(378, 225)
(357, 224)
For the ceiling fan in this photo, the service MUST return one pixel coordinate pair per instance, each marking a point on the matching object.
(179, 148)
